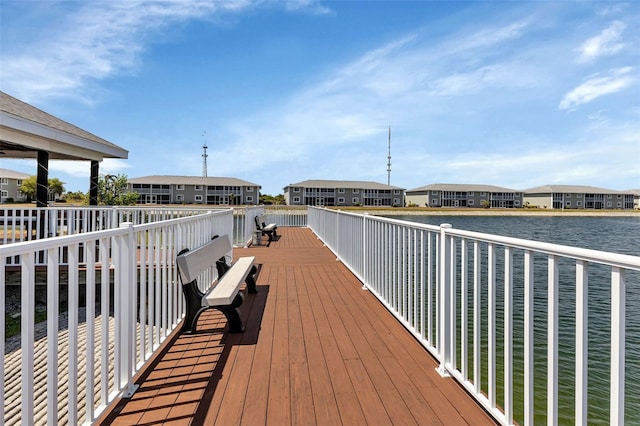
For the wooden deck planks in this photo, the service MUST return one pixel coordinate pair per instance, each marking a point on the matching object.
(317, 350)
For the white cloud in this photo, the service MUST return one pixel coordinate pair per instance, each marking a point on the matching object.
(614, 81)
(606, 43)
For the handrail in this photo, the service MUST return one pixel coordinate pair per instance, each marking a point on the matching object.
(132, 299)
(455, 290)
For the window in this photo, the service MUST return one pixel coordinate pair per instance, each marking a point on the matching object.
(608, 195)
(471, 203)
(180, 187)
(5, 194)
(619, 195)
(579, 195)
(340, 200)
(619, 204)
(198, 188)
(4, 181)
(609, 204)
(396, 192)
(470, 193)
(434, 202)
(296, 199)
(567, 203)
(198, 198)
(483, 194)
(434, 192)
(249, 189)
(567, 195)
(296, 190)
(19, 182)
(516, 203)
(249, 198)
(180, 197)
(579, 204)
(355, 200)
(396, 201)
(340, 190)
(356, 191)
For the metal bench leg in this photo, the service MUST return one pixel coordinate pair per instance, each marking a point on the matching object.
(251, 281)
(232, 314)
(192, 296)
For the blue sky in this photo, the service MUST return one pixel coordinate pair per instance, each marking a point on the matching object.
(513, 94)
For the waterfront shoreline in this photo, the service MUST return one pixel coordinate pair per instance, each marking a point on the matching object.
(491, 212)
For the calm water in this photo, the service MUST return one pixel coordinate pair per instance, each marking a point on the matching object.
(614, 234)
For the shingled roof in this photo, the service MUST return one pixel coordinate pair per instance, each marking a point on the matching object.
(25, 129)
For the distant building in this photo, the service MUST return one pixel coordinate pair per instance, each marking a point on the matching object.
(636, 198)
(578, 197)
(463, 195)
(222, 191)
(10, 183)
(343, 193)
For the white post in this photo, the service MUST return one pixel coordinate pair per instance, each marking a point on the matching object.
(444, 325)
(582, 340)
(552, 341)
(618, 290)
(128, 299)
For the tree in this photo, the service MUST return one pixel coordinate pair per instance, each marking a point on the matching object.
(29, 187)
(56, 186)
(112, 191)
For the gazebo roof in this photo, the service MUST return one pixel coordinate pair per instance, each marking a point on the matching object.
(25, 130)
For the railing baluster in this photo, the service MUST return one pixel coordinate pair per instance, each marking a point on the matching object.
(477, 343)
(464, 310)
(582, 339)
(491, 328)
(53, 303)
(618, 297)
(528, 338)
(508, 335)
(552, 340)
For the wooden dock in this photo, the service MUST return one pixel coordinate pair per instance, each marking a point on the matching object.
(317, 350)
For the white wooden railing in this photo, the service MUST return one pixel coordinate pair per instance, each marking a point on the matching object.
(455, 290)
(133, 301)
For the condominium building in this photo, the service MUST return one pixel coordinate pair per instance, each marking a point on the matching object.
(10, 183)
(578, 197)
(463, 195)
(343, 193)
(194, 190)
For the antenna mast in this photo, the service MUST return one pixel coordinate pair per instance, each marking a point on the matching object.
(389, 160)
(204, 155)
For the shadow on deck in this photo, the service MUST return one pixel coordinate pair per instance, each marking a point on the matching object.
(317, 350)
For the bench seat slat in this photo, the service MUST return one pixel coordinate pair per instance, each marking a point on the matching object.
(226, 289)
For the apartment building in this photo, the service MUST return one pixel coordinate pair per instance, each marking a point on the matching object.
(343, 193)
(10, 182)
(222, 191)
(578, 197)
(464, 195)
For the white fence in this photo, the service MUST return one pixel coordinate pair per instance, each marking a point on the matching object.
(132, 299)
(469, 298)
(31, 223)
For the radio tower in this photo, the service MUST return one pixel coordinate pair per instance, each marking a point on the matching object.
(389, 160)
(204, 155)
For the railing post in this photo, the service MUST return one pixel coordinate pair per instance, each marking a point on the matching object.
(444, 303)
(127, 292)
(365, 246)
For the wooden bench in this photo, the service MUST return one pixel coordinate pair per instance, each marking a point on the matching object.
(224, 294)
(269, 230)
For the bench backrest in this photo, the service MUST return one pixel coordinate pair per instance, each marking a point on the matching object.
(260, 221)
(193, 262)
